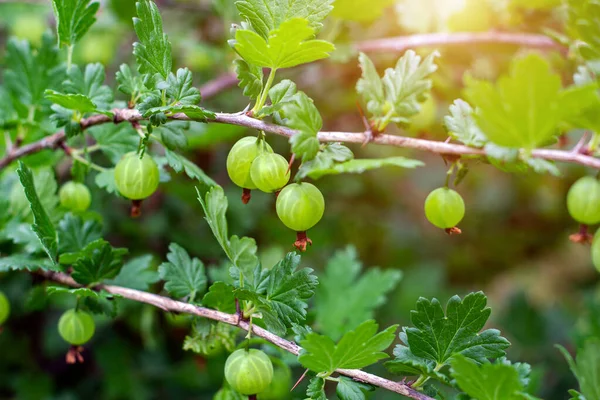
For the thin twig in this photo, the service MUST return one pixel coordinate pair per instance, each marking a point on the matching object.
(218, 85)
(402, 43)
(431, 146)
(168, 304)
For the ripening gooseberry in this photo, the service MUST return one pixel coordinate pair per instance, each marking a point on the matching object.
(444, 208)
(240, 158)
(300, 206)
(76, 327)
(75, 196)
(4, 308)
(583, 200)
(248, 371)
(270, 172)
(136, 178)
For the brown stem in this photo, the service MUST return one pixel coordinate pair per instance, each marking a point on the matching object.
(168, 304)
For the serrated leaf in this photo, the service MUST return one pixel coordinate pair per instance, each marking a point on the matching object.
(241, 252)
(344, 298)
(74, 233)
(316, 389)
(359, 166)
(220, 297)
(115, 140)
(440, 336)
(461, 124)
(302, 115)
(77, 102)
(97, 262)
(487, 381)
(279, 94)
(305, 145)
(583, 25)
(78, 292)
(42, 225)
(106, 180)
(24, 262)
(407, 364)
(184, 276)
(524, 108)
(250, 78)
(90, 83)
(266, 16)
(181, 88)
(358, 348)
(45, 187)
(348, 389)
(129, 83)
(153, 51)
(172, 134)
(398, 95)
(287, 46)
(586, 368)
(326, 158)
(73, 19)
(136, 274)
(179, 163)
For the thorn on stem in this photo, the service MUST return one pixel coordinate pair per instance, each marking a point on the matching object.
(299, 380)
(292, 159)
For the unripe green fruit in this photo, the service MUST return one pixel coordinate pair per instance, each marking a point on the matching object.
(583, 200)
(595, 251)
(136, 178)
(240, 159)
(300, 206)
(75, 196)
(270, 172)
(248, 371)
(4, 308)
(76, 327)
(281, 384)
(444, 208)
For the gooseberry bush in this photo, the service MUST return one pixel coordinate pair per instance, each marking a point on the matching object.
(125, 135)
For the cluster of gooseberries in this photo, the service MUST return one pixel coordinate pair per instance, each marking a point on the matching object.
(76, 327)
(251, 372)
(445, 208)
(252, 164)
(583, 203)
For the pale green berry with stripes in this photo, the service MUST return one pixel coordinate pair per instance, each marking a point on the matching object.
(444, 208)
(270, 172)
(240, 159)
(75, 196)
(76, 327)
(300, 206)
(4, 308)
(136, 178)
(248, 372)
(583, 200)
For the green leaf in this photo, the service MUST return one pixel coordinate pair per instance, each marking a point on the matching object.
(487, 381)
(302, 115)
(129, 83)
(106, 180)
(348, 389)
(45, 187)
(357, 349)
(282, 292)
(316, 389)
(439, 336)
(179, 163)
(344, 298)
(181, 88)
(172, 134)
(99, 261)
(279, 94)
(153, 51)
(29, 72)
(359, 166)
(524, 108)
(406, 363)
(73, 19)
(266, 16)
(91, 84)
(136, 274)
(19, 262)
(78, 292)
(583, 25)
(398, 95)
(326, 158)
(220, 297)
(184, 276)
(241, 252)
(461, 124)
(586, 368)
(250, 78)
(42, 225)
(208, 336)
(360, 10)
(77, 102)
(115, 140)
(305, 145)
(74, 233)
(288, 46)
